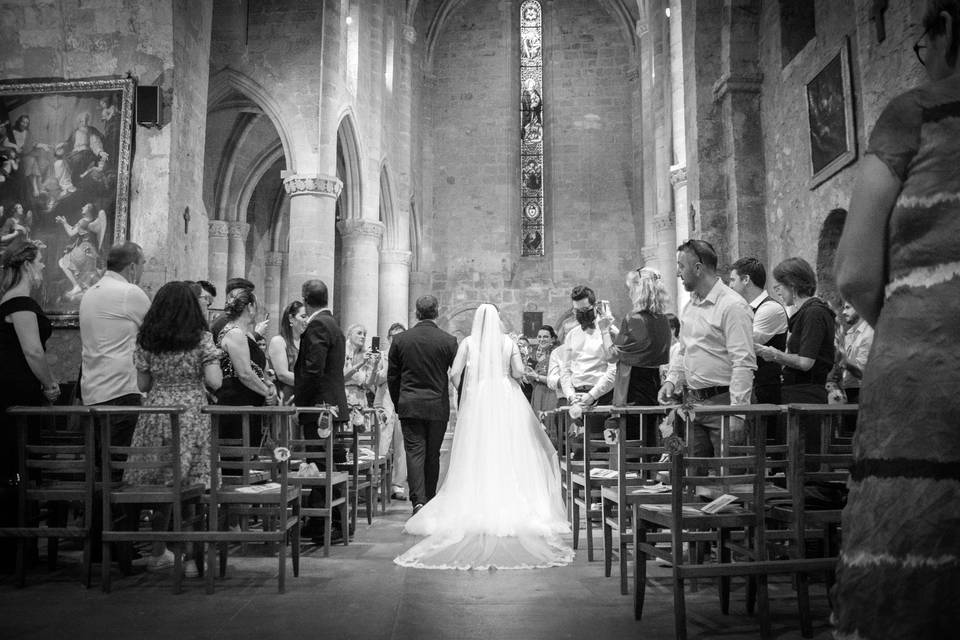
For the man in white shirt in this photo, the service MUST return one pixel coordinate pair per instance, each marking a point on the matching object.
(748, 277)
(586, 377)
(111, 312)
(853, 352)
(716, 360)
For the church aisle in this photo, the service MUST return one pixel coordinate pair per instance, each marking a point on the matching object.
(359, 593)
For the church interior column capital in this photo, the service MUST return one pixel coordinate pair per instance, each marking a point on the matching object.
(361, 228)
(737, 83)
(312, 183)
(409, 33)
(217, 228)
(238, 230)
(678, 175)
(275, 258)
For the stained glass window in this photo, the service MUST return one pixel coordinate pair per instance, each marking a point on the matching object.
(531, 128)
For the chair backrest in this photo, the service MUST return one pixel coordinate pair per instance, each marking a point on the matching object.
(318, 450)
(51, 460)
(826, 461)
(257, 456)
(370, 436)
(164, 460)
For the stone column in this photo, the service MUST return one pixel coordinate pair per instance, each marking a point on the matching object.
(271, 285)
(237, 249)
(217, 259)
(361, 272)
(313, 200)
(394, 289)
(419, 286)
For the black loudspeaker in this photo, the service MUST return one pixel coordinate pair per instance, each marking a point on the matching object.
(148, 105)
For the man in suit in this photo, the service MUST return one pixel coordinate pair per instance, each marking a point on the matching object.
(318, 371)
(418, 363)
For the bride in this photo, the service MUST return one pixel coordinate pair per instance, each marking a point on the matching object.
(499, 505)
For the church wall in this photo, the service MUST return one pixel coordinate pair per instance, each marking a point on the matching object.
(794, 212)
(470, 163)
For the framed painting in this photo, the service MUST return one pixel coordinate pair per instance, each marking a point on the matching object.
(65, 151)
(833, 140)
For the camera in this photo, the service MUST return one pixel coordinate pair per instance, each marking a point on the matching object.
(375, 343)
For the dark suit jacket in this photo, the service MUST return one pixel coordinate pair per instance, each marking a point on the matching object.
(417, 373)
(318, 371)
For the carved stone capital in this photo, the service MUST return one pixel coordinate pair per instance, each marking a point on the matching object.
(648, 255)
(217, 228)
(409, 33)
(642, 27)
(665, 223)
(678, 175)
(275, 258)
(633, 73)
(737, 83)
(312, 183)
(359, 228)
(392, 256)
(238, 230)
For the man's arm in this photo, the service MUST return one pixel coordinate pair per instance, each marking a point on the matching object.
(137, 305)
(393, 372)
(738, 334)
(861, 350)
(566, 383)
(604, 384)
(769, 320)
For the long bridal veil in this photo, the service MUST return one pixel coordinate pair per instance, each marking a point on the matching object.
(500, 503)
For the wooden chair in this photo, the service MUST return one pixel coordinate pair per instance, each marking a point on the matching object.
(380, 464)
(361, 470)
(276, 503)
(320, 452)
(586, 481)
(793, 522)
(743, 476)
(637, 466)
(184, 500)
(54, 471)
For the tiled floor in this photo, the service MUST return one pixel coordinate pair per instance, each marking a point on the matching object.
(359, 593)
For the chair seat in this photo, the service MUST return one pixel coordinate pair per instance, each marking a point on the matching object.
(692, 517)
(158, 494)
(337, 477)
(269, 495)
(255, 476)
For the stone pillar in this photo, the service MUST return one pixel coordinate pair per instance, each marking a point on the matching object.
(237, 249)
(680, 229)
(394, 289)
(217, 259)
(360, 277)
(271, 285)
(419, 286)
(312, 230)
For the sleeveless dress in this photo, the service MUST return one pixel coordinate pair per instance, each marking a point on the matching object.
(500, 504)
(234, 393)
(899, 572)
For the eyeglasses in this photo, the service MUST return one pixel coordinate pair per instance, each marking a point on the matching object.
(917, 47)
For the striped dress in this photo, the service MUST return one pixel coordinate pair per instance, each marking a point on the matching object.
(899, 573)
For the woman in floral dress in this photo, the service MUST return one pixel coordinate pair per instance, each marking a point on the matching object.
(175, 357)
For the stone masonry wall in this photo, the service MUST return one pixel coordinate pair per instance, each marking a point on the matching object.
(880, 71)
(471, 241)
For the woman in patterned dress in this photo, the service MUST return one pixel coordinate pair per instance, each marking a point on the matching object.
(175, 357)
(360, 367)
(899, 265)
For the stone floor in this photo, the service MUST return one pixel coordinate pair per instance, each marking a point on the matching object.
(359, 593)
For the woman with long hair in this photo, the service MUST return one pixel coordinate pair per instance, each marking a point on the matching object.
(359, 367)
(176, 361)
(642, 343)
(25, 376)
(243, 363)
(284, 347)
(499, 505)
(543, 397)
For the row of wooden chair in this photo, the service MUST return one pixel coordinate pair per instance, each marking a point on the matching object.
(768, 532)
(248, 479)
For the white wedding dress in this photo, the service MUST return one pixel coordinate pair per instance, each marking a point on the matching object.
(500, 504)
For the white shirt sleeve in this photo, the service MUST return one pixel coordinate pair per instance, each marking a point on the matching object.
(137, 304)
(738, 332)
(769, 320)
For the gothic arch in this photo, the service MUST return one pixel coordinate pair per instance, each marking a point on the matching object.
(348, 144)
(617, 10)
(252, 179)
(826, 255)
(227, 80)
(388, 213)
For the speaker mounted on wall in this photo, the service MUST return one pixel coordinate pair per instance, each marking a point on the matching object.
(149, 106)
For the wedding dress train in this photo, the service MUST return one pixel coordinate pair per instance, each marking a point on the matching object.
(500, 504)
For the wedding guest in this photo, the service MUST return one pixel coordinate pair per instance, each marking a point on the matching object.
(360, 366)
(25, 377)
(543, 398)
(391, 434)
(852, 353)
(174, 358)
(243, 362)
(526, 384)
(897, 264)
(642, 344)
(284, 347)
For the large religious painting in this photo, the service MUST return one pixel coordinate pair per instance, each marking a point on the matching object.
(531, 129)
(830, 116)
(65, 179)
